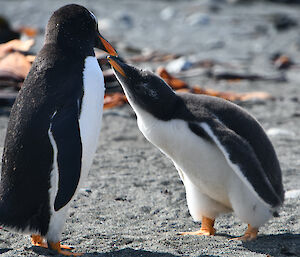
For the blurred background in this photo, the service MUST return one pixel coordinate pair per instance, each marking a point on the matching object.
(252, 37)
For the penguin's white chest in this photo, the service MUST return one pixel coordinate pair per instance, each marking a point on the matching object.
(194, 157)
(91, 111)
(90, 125)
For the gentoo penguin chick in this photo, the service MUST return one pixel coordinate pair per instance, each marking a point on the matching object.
(53, 128)
(222, 154)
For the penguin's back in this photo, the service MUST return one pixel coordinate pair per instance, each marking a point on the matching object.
(28, 153)
(203, 108)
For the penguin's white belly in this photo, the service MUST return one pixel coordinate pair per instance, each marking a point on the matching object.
(202, 162)
(90, 125)
(91, 111)
(212, 186)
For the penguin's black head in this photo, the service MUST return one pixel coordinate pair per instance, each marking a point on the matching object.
(75, 28)
(145, 90)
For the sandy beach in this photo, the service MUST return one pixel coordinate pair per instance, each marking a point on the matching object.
(133, 202)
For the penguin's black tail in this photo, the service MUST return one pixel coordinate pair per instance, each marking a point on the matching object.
(10, 219)
(4, 215)
(23, 216)
(10, 214)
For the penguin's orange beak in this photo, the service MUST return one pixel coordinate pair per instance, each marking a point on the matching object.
(116, 66)
(104, 45)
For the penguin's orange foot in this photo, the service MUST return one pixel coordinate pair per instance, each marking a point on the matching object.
(207, 228)
(57, 247)
(38, 240)
(250, 234)
(201, 232)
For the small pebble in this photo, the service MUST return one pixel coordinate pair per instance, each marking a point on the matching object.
(282, 21)
(126, 20)
(291, 194)
(85, 190)
(273, 132)
(167, 13)
(198, 19)
(178, 65)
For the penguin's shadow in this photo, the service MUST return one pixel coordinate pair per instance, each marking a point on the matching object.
(129, 252)
(126, 252)
(39, 250)
(4, 250)
(286, 244)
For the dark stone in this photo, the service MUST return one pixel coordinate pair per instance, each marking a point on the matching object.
(6, 33)
(283, 22)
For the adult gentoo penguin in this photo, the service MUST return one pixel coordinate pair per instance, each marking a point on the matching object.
(53, 128)
(222, 154)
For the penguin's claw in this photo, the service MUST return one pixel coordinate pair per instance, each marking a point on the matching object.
(66, 247)
(207, 228)
(57, 247)
(250, 235)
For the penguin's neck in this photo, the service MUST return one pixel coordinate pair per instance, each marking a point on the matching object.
(145, 120)
(68, 47)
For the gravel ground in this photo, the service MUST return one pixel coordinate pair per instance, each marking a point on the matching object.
(133, 203)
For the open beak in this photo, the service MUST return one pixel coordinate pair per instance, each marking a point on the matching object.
(103, 44)
(115, 65)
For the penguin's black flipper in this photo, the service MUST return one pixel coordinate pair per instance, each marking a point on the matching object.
(241, 157)
(66, 134)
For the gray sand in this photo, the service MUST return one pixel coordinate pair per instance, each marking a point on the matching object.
(135, 203)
